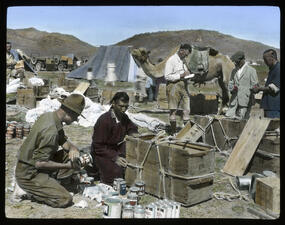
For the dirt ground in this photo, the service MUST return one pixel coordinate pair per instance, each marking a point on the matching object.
(212, 208)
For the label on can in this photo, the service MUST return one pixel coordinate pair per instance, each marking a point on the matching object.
(113, 208)
(123, 188)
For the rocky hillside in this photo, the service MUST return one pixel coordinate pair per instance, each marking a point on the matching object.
(160, 43)
(41, 43)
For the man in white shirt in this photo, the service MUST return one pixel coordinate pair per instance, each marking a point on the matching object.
(176, 88)
(243, 79)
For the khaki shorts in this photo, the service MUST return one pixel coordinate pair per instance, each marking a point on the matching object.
(177, 96)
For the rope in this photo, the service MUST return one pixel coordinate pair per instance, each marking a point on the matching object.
(159, 139)
(228, 196)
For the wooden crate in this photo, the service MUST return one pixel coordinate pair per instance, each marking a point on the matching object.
(233, 129)
(162, 102)
(203, 103)
(67, 84)
(267, 157)
(26, 97)
(92, 93)
(268, 193)
(200, 103)
(189, 169)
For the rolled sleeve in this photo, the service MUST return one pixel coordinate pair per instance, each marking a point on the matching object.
(273, 88)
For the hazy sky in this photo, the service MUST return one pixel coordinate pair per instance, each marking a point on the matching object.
(106, 25)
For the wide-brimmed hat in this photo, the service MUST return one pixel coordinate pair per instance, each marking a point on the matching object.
(74, 102)
(239, 55)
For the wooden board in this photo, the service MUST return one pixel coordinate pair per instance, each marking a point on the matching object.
(82, 87)
(191, 133)
(246, 146)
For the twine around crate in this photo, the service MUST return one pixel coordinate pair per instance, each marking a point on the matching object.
(155, 142)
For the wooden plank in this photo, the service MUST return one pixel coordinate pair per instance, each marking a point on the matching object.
(182, 133)
(192, 133)
(246, 146)
(82, 87)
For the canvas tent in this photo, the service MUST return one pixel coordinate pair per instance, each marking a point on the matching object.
(125, 66)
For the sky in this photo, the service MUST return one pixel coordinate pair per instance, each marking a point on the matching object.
(107, 25)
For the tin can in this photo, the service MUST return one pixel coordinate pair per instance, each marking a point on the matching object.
(85, 159)
(133, 197)
(134, 189)
(26, 130)
(116, 183)
(177, 209)
(139, 211)
(160, 211)
(10, 132)
(122, 188)
(112, 208)
(127, 212)
(141, 185)
(150, 210)
(243, 182)
(168, 206)
(19, 131)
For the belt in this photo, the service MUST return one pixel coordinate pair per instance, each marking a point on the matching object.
(172, 82)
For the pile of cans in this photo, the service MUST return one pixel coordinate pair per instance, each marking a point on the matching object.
(163, 209)
(18, 130)
(123, 204)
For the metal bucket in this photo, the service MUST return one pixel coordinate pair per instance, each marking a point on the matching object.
(243, 182)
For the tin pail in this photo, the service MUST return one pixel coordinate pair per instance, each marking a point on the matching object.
(112, 208)
(243, 182)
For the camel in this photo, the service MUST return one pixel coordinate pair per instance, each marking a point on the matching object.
(220, 67)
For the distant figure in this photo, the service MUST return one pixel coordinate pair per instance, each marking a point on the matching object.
(270, 101)
(140, 84)
(108, 147)
(111, 74)
(243, 78)
(176, 87)
(150, 89)
(41, 164)
(12, 59)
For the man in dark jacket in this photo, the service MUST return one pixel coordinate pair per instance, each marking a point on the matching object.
(108, 147)
(270, 101)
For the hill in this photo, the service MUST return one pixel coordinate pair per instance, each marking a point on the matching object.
(41, 43)
(33, 41)
(160, 43)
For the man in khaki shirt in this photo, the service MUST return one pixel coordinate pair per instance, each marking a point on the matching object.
(11, 61)
(39, 157)
(176, 87)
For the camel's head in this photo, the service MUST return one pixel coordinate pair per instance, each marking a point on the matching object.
(141, 55)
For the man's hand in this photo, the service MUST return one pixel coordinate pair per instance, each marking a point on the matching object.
(75, 164)
(184, 74)
(120, 161)
(255, 89)
(73, 154)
